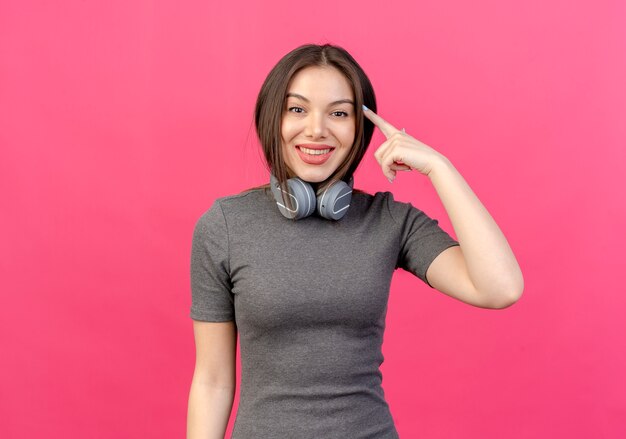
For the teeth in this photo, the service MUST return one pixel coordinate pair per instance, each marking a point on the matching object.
(315, 151)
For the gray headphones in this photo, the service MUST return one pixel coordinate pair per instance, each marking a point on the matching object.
(331, 204)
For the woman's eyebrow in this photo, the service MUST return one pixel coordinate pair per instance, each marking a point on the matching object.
(340, 101)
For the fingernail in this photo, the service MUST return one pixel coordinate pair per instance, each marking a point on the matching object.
(365, 108)
(390, 179)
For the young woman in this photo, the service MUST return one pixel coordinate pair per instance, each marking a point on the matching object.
(301, 268)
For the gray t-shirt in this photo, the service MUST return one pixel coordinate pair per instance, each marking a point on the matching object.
(309, 299)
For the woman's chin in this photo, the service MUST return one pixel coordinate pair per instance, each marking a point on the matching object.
(313, 177)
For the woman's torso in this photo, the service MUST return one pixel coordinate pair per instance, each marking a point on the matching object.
(310, 301)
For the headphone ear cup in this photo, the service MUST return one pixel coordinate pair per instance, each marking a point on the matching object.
(301, 194)
(305, 196)
(333, 203)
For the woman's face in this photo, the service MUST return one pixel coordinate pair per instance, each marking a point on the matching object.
(318, 123)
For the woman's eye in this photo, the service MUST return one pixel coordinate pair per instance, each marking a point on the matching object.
(301, 110)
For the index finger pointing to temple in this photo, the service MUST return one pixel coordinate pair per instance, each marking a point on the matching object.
(384, 126)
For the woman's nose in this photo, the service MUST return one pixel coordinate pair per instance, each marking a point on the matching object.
(316, 126)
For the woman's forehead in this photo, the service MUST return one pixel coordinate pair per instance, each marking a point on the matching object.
(320, 83)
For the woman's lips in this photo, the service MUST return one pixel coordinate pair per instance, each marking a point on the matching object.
(314, 154)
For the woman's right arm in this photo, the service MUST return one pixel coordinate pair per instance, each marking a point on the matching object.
(213, 385)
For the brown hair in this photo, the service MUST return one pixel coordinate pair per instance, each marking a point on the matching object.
(271, 101)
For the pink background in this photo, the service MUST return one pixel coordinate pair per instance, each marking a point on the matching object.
(121, 122)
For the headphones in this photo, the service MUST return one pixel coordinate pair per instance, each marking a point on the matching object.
(331, 204)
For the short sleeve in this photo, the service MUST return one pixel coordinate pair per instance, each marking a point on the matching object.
(421, 238)
(211, 288)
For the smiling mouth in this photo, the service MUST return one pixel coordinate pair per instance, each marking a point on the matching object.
(314, 154)
(315, 151)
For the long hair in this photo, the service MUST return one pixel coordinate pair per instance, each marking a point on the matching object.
(273, 94)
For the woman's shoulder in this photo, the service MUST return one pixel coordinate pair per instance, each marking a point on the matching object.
(367, 203)
(248, 201)
(376, 199)
(385, 203)
(244, 196)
